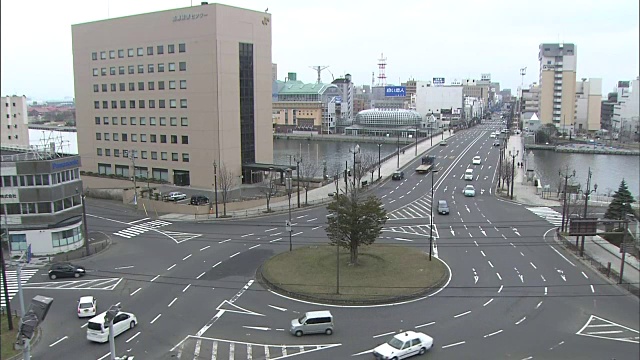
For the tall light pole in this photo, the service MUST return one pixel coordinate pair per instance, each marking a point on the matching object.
(4, 276)
(132, 156)
(215, 184)
(431, 217)
(288, 224)
(513, 169)
(356, 150)
(523, 72)
(564, 197)
(297, 160)
(417, 139)
(500, 166)
(398, 149)
(84, 221)
(379, 165)
(587, 192)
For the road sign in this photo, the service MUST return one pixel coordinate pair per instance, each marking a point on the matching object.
(288, 225)
(583, 227)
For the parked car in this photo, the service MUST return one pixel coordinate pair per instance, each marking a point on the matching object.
(476, 160)
(98, 332)
(87, 306)
(199, 200)
(404, 345)
(469, 190)
(443, 207)
(61, 270)
(397, 175)
(176, 196)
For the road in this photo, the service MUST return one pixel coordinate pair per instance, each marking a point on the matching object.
(512, 292)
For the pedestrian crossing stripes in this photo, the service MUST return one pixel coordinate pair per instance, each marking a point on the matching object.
(420, 230)
(195, 347)
(142, 228)
(600, 328)
(12, 282)
(417, 209)
(548, 214)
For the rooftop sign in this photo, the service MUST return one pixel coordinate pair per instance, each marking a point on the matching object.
(184, 17)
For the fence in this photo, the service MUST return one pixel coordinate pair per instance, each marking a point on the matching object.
(608, 269)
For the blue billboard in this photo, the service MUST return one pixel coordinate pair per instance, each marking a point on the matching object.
(399, 91)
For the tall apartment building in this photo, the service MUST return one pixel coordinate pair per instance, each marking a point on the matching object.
(177, 89)
(274, 72)
(626, 113)
(530, 99)
(15, 122)
(347, 89)
(606, 111)
(477, 89)
(588, 105)
(557, 84)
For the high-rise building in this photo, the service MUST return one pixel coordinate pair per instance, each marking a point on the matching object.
(588, 105)
(274, 72)
(626, 113)
(607, 110)
(15, 122)
(348, 92)
(176, 90)
(557, 84)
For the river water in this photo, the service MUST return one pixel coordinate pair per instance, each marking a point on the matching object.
(607, 170)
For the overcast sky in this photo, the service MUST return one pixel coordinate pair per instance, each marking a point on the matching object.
(421, 39)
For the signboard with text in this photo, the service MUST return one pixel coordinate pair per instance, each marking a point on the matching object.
(438, 81)
(9, 195)
(399, 91)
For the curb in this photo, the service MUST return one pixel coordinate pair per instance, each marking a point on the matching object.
(32, 344)
(614, 254)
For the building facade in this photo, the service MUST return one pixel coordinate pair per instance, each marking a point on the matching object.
(446, 103)
(530, 99)
(15, 122)
(606, 111)
(387, 122)
(626, 113)
(41, 194)
(557, 84)
(191, 89)
(346, 87)
(588, 105)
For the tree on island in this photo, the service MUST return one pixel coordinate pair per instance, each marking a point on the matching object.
(355, 222)
(620, 206)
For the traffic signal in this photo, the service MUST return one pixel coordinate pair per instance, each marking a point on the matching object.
(40, 306)
(28, 324)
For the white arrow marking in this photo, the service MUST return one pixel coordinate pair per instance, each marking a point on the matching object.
(277, 308)
(257, 328)
(453, 233)
(469, 211)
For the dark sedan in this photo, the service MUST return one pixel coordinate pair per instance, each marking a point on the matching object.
(60, 270)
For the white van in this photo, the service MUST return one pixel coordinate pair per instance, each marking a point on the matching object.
(468, 175)
(98, 332)
(313, 322)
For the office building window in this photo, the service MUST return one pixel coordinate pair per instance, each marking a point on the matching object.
(130, 52)
(140, 69)
(103, 71)
(112, 54)
(160, 67)
(132, 69)
(112, 70)
(123, 136)
(154, 155)
(104, 87)
(94, 56)
(105, 104)
(121, 70)
(116, 152)
(183, 66)
(96, 88)
(103, 55)
(114, 104)
(99, 151)
(163, 155)
(163, 121)
(184, 121)
(160, 49)
(173, 121)
(161, 104)
(121, 53)
(143, 154)
(172, 66)
(134, 137)
(132, 121)
(150, 68)
(121, 86)
(140, 51)
(132, 86)
(172, 84)
(185, 157)
(116, 136)
(174, 156)
(97, 118)
(114, 120)
(141, 104)
(140, 85)
(183, 84)
(107, 152)
(171, 48)
(153, 138)
(113, 87)
(95, 72)
(150, 85)
(143, 137)
(143, 121)
(182, 47)
(152, 104)
(106, 136)
(247, 116)
(173, 103)
(132, 104)
(160, 85)
(185, 139)
(152, 121)
(96, 105)
(183, 103)
(174, 139)
(149, 50)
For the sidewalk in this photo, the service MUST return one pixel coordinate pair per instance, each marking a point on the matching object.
(595, 247)
(321, 195)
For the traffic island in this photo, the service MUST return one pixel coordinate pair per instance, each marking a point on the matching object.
(385, 274)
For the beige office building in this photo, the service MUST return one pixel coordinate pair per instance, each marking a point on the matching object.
(557, 84)
(15, 122)
(588, 105)
(180, 89)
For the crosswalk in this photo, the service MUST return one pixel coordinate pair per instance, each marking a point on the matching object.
(417, 209)
(420, 230)
(548, 214)
(194, 347)
(141, 228)
(12, 282)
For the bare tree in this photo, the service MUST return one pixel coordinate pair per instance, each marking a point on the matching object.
(368, 163)
(268, 187)
(308, 171)
(506, 172)
(226, 180)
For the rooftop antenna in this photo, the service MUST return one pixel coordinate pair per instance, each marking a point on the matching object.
(319, 69)
(382, 65)
(373, 78)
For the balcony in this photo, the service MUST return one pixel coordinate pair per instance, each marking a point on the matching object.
(558, 75)
(559, 94)
(558, 69)
(558, 82)
(557, 88)
(557, 100)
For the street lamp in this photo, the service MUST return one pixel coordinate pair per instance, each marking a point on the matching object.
(356, 150)
(431, 217)
(513, 169)
(586, 193)
(564, 200)
(398, 142)
(84, 222)
(379, 147)
(215, 184)
(297, 160)
(288, 223)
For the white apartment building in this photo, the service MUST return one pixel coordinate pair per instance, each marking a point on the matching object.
(15, 122)
(347, 89)
(438, 99)
(626, 113)
(588, 105)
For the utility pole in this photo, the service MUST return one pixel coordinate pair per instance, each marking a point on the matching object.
(215, 184)
(431, 217)
(4, 275)
(586, 204)
(398, 150)
(564, 197)
(84, 223)
(513, 169)
(379, 146)
(132, 156)
(500, 166)
(287, 182)
(416, 139)
(298, 176)
(346, 176)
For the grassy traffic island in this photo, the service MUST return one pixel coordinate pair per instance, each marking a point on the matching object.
(384, 274)
(8, 337)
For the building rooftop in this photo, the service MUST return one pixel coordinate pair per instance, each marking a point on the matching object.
(17, 153)
(298, 87)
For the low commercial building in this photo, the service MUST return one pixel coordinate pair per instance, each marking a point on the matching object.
(387, 122)
(41, 194)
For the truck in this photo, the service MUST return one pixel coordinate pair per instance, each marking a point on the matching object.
(427, 164)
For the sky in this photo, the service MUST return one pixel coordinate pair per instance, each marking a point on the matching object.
(421, 39)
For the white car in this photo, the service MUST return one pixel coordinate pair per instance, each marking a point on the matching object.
(469, 190)
(98, 332)
(476, 160)
(87, 306)
(493, 135)
(404, 345)
(176, 196)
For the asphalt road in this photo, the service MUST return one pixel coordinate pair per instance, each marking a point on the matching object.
(512, 293)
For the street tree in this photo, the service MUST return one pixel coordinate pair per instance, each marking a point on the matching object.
(620, 206)
(506, 172)
(355, 222)
(308, 171)
(226, 181)
(367, 163)
(268, 187)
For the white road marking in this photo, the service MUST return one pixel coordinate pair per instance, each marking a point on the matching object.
(500, 290)
(171, 267)
(133, 337)
(84, 325)
(201, 275)
(543, 279)
(254, 246)
(57, 342)
(555, 346)
(585, 275)
(277, 308)
(155, 318)
(454, 344)
(462, 314)
(186, 287)
(205, 248)
(133, 293)
(301, 216)
(234, 255)
(172, 301)
(521, 253)
(276, 234)
(520, 321)
(186, 257)
(402, 239)
(540, 303)
(224, 241)
(592, 289)
(385, 334)
(274, 240)
(423, 325)
(124, 267)
(257, 328)
(218, 263)
(488, 302)
(245, 235)
(483, 254)
(545, 290)
(490, 264)
(493, 333)
(533, 265)
(317, 227)
(104, 356)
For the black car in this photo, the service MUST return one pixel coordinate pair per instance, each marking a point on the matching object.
(397, 175)
(60, 270)
(199, 200)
